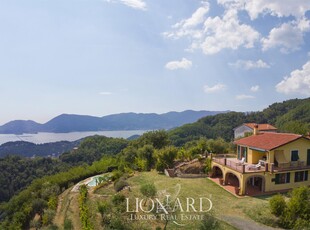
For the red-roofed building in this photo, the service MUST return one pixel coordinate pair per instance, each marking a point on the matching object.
(268, 141)
(266, 162)
(245, 128)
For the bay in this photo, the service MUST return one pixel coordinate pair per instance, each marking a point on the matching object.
(42, 137)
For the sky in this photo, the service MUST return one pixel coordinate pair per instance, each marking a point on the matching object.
(100, 57)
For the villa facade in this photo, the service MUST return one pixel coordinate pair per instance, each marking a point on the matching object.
(266, 162)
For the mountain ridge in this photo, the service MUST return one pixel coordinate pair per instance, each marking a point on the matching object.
(65, 123)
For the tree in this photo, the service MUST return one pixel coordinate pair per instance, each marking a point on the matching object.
(158, 139)
(218, 145)
(165, 158)
(208, 167)
(298, 207)
(148, 190)
(296, 212)
(38, 206)
(145, 154)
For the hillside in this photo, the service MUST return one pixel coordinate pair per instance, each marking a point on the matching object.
(153, 150)
(28, 149)
(288, 116)
(124, 121)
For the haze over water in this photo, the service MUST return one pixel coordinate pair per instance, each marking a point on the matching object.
(40, 138)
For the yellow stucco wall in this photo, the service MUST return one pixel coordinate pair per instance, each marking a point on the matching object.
(271, 186)
(254, 156)
(302, 145)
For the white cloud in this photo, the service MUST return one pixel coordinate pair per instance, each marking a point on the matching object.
(197, 17)
(136, 4)
(248, 64)
(298, 82)
(215, 88)
(243, 97)
(189, 27)
(255, 88)
(105, 93)
(289, 36)
(278, 8)
(214, 34)
(227, 32)
(183, 64)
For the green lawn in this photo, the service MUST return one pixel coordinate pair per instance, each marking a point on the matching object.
(224, 203)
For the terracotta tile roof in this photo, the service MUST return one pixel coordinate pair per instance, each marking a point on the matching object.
(261, 126)
(268, 140)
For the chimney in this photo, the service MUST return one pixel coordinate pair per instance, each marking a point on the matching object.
(255, 131)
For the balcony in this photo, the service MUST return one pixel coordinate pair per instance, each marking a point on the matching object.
(293, 165)
(236, 165)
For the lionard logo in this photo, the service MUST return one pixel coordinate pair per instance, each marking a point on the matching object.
(168, 207)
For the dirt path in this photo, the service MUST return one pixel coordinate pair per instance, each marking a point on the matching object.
(245, 224)
(60, 217)
(68, 206)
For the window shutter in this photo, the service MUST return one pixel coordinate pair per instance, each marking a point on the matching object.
(294, 155)
(296, 177)
(306, 175)
(288, 177)
(277, 179)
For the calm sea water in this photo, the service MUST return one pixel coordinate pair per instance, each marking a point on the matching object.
(40, 138)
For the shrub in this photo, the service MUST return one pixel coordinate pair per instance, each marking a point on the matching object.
(302, 224)
(116, 174)
(298, 208)
(148, 190)
(296, 213)
(118, 199)
(48, 217)
(117, 223)
(209, 222)
(277, 205)
(104, 208)
(52, 202)
(52, 227)
(119, 185)
(68, 224)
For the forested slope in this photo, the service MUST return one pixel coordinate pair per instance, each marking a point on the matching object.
(288, 116)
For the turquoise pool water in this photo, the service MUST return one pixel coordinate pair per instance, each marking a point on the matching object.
(95, 180)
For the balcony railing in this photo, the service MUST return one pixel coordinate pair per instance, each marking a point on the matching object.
(237, 166)
(293, 165)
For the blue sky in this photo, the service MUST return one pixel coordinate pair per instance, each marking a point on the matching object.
(100, 57)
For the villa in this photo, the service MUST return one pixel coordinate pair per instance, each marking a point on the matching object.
(248, 128)
(266, 162)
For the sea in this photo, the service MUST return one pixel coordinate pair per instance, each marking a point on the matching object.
(42, 137)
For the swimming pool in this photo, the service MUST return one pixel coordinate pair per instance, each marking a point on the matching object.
(97, 179)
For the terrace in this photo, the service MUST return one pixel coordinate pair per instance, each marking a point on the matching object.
(235, 164)
(295, 165)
